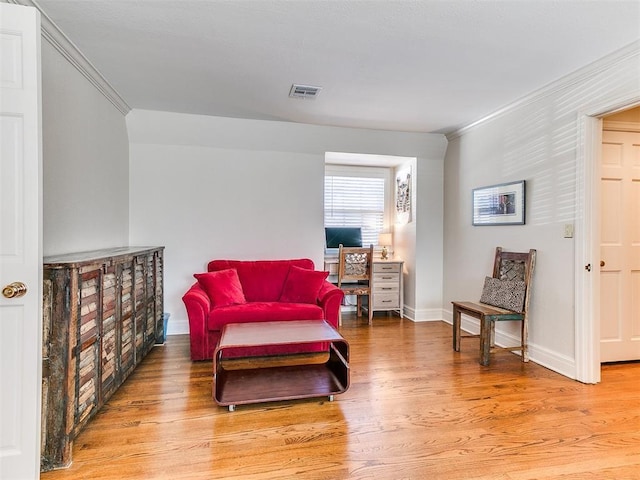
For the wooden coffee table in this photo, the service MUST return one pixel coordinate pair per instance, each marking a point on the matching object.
(256, 384)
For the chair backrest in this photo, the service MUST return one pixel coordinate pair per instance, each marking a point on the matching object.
(261, 280)
(515, 266)
(355, 263)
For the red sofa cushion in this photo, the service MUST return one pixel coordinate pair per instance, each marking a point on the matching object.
(263, 312)
(262, 280)
(223, 287)
(302, 285)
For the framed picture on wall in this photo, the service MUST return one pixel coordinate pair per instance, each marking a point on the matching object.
(403, 196)
(502, 204)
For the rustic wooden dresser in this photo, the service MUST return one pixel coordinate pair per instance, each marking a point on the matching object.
(102, 313)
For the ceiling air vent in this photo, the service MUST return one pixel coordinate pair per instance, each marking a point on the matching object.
(304, 91)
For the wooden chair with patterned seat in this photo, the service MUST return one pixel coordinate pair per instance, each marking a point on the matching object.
(505, 297)
(355, 271)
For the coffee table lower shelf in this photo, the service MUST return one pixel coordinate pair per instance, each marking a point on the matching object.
(270, 384)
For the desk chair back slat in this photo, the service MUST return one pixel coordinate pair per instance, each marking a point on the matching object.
(515, 266)
(355, 271)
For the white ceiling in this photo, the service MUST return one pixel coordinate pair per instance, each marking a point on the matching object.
(409, 65)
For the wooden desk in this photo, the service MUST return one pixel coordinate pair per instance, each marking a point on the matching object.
(387, 293)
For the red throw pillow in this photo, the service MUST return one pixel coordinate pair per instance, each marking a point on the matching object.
(302, 285)
(223, 287)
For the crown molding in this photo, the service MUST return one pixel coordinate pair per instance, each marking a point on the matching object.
(581, 75)
(74, 56)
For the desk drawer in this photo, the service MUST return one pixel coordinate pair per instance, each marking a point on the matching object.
(386, 267)
(380, 278)
(386, 287)
(386, 300)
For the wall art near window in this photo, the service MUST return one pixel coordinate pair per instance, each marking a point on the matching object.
(499, 204)
(403, 196)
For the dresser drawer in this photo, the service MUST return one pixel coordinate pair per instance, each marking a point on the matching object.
(386, 287)
(386, 267)
(386, 300)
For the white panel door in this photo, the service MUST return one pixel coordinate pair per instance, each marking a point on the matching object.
(620, 247)
(20, 242)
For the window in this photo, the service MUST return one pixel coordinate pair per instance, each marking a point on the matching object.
(355, 197)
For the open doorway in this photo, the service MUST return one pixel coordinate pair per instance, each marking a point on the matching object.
(619, 220)
(587, 251)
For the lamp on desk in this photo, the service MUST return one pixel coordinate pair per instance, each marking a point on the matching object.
(384, 239)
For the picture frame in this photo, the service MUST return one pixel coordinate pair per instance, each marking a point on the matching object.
(403, 188)
(502, 204)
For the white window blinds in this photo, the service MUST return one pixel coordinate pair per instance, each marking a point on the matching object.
(355, 200)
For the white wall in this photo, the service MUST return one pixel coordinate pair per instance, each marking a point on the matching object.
(86, 162)
(420, 242)
(212, 187)
(538, 141)
(429, 240)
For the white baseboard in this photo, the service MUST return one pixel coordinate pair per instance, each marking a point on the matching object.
(425, 315)
(542, 356)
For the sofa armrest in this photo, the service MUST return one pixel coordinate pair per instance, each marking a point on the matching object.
(330, 299)
(198, 306)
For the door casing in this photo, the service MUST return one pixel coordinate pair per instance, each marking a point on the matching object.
(587, 237)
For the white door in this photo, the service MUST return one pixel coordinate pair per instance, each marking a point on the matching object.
(20, 242)
(620, 247)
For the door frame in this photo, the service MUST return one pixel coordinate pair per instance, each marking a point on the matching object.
(587, 243)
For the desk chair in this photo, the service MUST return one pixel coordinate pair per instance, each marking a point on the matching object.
(355, 265)
(505, 297)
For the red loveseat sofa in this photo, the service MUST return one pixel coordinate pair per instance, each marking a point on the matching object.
(238, 291)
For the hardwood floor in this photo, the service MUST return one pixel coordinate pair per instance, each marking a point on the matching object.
(415, 410)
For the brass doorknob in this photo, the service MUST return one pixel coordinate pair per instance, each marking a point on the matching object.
(602, 263)
(14, 290)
